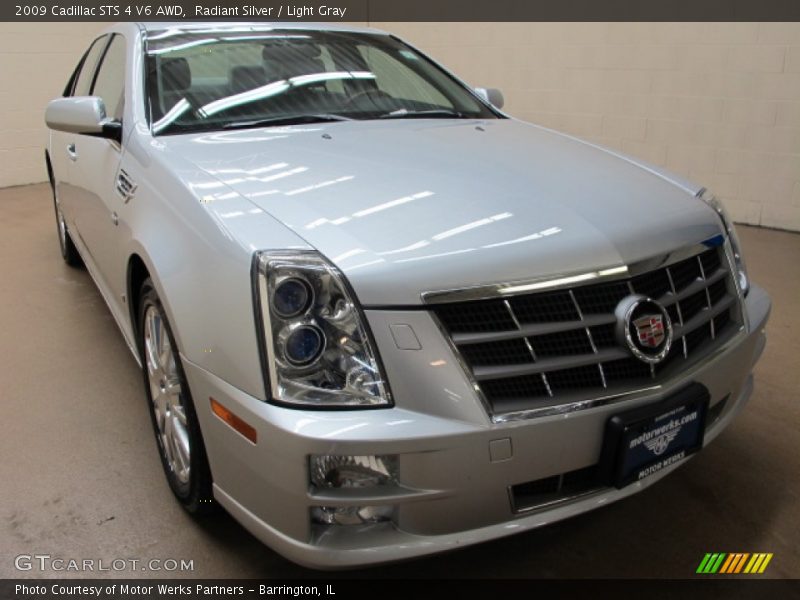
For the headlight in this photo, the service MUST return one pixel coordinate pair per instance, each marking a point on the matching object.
(730, 231)
(318, 349)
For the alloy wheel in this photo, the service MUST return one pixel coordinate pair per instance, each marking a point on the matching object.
(166, 395)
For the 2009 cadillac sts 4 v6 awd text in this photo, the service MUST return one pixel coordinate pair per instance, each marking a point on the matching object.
(378, 318)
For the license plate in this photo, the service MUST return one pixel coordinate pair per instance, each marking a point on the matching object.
(641, 442)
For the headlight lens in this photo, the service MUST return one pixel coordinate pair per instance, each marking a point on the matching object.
(303, 344)
(318, 350)
(730, 231)
(292, 297)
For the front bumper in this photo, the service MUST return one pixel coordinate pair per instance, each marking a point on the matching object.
(454, 485)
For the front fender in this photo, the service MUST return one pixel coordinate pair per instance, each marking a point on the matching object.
(202, 273)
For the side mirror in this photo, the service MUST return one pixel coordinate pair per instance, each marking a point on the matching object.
(491, 95)
(82, 114)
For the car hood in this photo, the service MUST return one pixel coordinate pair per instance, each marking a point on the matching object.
(412, 206)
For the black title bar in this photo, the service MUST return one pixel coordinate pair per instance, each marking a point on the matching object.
(331, 587)
(402, 10)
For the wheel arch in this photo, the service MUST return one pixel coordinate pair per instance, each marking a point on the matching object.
(137, 273)
(51, 176)
(140, 268)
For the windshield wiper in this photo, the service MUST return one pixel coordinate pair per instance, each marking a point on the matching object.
(435, 113)
(287, 120)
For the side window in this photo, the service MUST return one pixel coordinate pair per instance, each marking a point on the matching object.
(71, 83)
(84, 81)
(110, 81)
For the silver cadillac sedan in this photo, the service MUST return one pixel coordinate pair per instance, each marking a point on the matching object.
(377, 317)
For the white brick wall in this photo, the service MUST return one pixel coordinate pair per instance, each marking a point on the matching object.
(718, 102)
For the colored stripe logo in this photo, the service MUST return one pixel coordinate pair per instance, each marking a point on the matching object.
(734, 563)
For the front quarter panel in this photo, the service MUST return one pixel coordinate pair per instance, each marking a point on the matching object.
(176, 223)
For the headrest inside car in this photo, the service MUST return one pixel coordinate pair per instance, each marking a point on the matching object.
(288, 60)
(246, 78)
(175, 74)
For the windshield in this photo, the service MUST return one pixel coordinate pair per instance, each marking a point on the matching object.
(219, 79)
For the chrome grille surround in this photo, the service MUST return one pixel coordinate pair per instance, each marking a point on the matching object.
(548, 347)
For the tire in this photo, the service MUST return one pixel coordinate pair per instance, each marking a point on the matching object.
(68, 250)
(169, 402)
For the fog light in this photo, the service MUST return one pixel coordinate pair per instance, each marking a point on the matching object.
(351, 515)
(331, 472)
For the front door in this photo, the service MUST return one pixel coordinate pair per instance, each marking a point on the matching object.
(95, 177)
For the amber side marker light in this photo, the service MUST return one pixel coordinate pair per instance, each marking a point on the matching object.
(235, 422)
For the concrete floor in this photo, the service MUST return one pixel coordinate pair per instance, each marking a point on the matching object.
(81, 477)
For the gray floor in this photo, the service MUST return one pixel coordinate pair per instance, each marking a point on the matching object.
(81, 478)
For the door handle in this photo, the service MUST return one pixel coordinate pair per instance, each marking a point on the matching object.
(72, 152)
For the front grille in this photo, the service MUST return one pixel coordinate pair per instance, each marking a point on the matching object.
(552, 490)
(715, 412)
(550, 348)
(566, 487)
